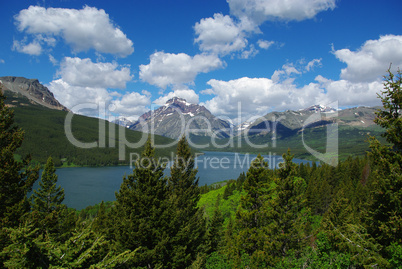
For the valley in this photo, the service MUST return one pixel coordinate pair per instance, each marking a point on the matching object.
(43, 119)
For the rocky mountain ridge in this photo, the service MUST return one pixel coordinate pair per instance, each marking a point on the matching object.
(177, 117)
(33, 90)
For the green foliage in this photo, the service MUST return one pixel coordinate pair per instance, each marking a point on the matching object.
(84, 249)
(228, 207)
(101, 221)
(16, 178)
(215, 230)
(395, 255)
(287, 213)
(390, 116)
(140, 213)
(320, 256)
(347, 235)
(90, 212)
(26, 250)
(261, 220)
(187, 225)
(48, 214)
(384, 218)
(251, 234)
(45, 136)
(48, 197)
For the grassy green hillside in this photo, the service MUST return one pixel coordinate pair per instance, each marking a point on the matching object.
(45, 136)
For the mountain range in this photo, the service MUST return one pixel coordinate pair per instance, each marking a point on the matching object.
(287, 129)
(177, 115)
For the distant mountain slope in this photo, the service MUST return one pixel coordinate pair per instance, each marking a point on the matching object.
(177, 115)
(277, 131)
(290, 122)
(31, 89)
(45, 136)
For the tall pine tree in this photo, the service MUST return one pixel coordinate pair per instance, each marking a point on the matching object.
(187, 224)
(384, 220)
(251, 215)
(48, 197)
(286, 214)
(140, 214)
(16, 178)
(49, 215)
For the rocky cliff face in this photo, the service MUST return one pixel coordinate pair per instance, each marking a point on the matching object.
(33, 90)
(177, 117)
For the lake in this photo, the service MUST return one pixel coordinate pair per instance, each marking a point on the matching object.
(84, 186)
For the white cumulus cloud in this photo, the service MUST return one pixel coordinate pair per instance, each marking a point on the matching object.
(313, 63)
(265, 44)
(33, 48)
(84, 29)
(168, 69)
(131, 105)
(259, 11)
(187, 94)
(81, 82)
(220, 35)
(76, 98)
(372, 59)
(258, 96)
(85, 73)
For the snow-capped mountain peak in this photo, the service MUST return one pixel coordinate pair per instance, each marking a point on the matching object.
(320, 108)
(176, 114)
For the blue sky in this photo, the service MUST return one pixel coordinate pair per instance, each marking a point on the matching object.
(264, 54)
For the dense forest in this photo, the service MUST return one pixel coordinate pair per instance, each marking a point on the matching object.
(45, 136)
(297, 216)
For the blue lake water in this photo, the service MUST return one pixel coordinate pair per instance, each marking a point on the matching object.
(84, 186)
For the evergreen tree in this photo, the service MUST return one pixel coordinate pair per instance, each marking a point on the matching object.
(347, 235)
(240, 180)
(16, 178)
(390, 117)
(250, 217)
(214, 234)
(84, 249)
(384, 219)
(140, 215)
(187, 225)
(48, 197)
(287, 214)
(48, 214)
(101, 221)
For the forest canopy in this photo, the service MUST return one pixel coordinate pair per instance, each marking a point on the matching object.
(297, 216)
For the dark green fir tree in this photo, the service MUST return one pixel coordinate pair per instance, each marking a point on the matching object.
(48, 197)
(140, 214)
(48, 214)
(249, 235)
(384, 219)
(16, 178)
(215, 229)
(187, 224)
